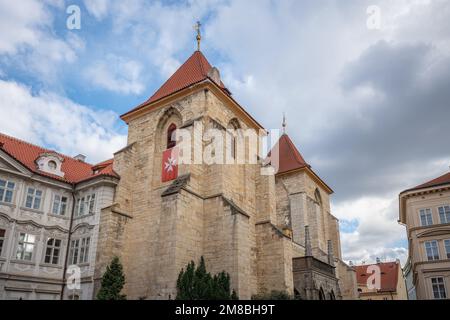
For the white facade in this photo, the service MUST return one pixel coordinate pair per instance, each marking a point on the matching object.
(35, 219)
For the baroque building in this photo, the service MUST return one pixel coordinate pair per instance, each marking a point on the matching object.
(268, 231)
(43, 196)
(425, 211)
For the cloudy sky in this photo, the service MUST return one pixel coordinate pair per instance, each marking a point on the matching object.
(367, 99)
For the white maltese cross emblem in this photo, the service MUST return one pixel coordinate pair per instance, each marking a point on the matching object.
(171, 162)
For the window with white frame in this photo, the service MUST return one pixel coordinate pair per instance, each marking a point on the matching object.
(85, 205)
(438, 288)
(432, 250)
(444, 214)
(59, 205)
(426, 217)
(25, 246)
(2, 239)
(52, 251)
(34, 198)
(6, 191)
(79, 250)
(447, 247)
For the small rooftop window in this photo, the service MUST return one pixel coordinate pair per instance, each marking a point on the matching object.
(50, 163)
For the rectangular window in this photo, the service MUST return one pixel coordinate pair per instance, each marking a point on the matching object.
(25, 246)
(73, 252)
(447, 248)
(52, 251)
(6, 191)
(79, 251)
(2, 239)
(59, 205)
(91, 201)
(438, 288)
(432, 250)
(34, 197)
(426, 217)
(85, 205)
(444, 214)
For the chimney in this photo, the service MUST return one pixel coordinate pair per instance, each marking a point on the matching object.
(80, 157)
(308, 249)
(378, 260)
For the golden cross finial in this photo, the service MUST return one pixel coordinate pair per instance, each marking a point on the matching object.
(199, 37)
(284, 123)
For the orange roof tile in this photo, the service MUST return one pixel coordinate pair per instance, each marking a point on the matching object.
(389, 275)
(193, 71)
(444, 179)
(74, 170)
(290, 157)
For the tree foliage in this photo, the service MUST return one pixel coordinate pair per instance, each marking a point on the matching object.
(198, 284)
(113, 281)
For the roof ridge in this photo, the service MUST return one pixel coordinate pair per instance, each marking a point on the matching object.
(199, 61)
(293, 147)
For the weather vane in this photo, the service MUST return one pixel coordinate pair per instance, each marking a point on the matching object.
(284, 123)
(199, 37)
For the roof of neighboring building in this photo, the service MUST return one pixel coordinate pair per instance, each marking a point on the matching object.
(74, 170)
(194, 70)
(439, 181)
(389, 275)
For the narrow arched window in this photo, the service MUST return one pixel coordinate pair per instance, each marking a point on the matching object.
(171, 142)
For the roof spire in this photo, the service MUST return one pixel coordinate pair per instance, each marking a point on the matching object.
(199, 36)
(284, 123)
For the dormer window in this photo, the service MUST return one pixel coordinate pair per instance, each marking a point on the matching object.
(50, 163)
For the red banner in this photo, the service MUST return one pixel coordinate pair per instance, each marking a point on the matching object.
(169, 165)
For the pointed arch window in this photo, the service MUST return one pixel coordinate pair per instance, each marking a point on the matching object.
(233, 126)
(171, 142)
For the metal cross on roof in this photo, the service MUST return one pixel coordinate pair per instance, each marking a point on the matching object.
(199, 37)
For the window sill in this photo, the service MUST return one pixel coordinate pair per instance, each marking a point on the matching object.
(84, 264)
(48, 265)
(84, 216)
(8, 204)
(23, 262)
(64, 217)
(32, 210)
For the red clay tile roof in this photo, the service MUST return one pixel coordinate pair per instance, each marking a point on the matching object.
(290, 157)
(193, 71)
(74, 170)
(444, 179)
(389, 275)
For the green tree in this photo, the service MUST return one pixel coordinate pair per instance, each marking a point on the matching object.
(112, 283)
(198, 284)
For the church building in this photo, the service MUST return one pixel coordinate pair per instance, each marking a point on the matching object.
(268, 231)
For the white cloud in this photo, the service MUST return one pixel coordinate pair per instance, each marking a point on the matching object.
(21, 23)
(28, 41)
(98, 8)
(377, 229)
(116, 74)
(43, 119)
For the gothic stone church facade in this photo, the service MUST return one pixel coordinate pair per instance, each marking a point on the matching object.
(269, 232)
